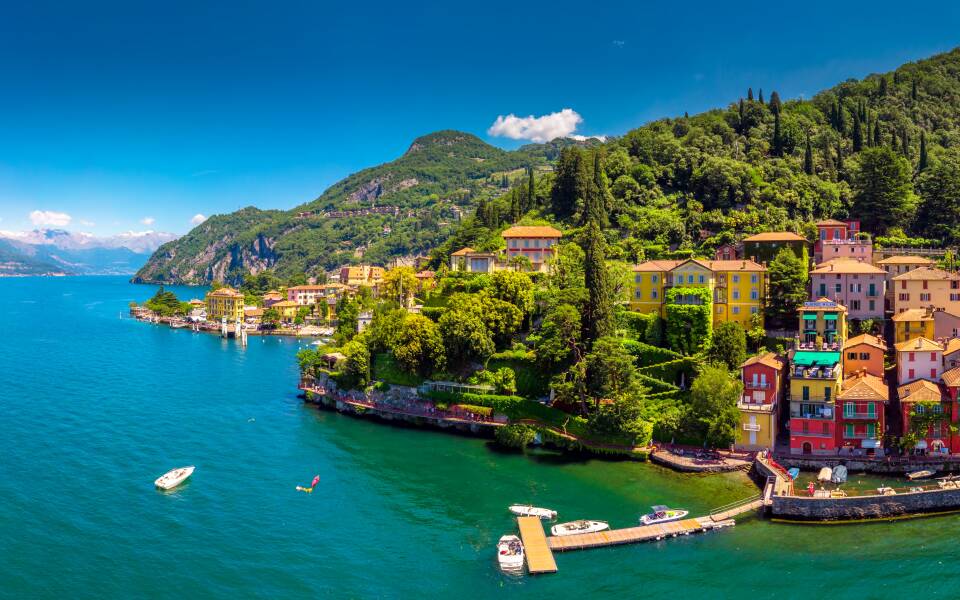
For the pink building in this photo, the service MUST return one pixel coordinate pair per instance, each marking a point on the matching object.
(919, 358)
(841, 239)
(857, 285)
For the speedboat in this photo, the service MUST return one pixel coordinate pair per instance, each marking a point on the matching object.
(510, 553)
(839, 474)
(662, 514)
(172, 479)
(824, 475)
(581, 526)
(525, 510)
(920, 474)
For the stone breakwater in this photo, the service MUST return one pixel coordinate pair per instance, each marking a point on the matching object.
(903, 504)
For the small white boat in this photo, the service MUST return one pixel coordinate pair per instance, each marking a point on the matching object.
(581, 526)
(663, 514)
(172, 479)
(920, 474)
(510, 554)
(825, 474)
(886, 491)
(525, 510)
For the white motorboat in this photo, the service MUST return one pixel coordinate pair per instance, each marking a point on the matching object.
(825, 474)
(924, 474)
(886, 491)
(172, 479)
(663, 514)
(839, 474)
(510, 554)
(525, 510)
(581, 526)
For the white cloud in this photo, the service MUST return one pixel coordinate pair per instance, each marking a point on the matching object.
(148, 221)
(88, 223)
(197, 219)
(536, 129)
(583, 138)
(50, 218)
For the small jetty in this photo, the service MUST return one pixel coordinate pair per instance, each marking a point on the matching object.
(539, 557)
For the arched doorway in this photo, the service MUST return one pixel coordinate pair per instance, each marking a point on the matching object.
(807, 448)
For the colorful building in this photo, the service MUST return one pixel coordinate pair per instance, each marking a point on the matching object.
(310, 295)
(764, 247)
(918, 397)
(919, 358)
(857, 285)
(946, 324)
(271, 298)
(951, 354)
(926, 287)
(763, 378)
(224, 302)
(913, 323)
(861, 410)
(898, 265)
(738, 287)
(469, 260)
(864, 354)
(949, 407)
(815, 378)
(361, 275)
(841, 239)
(536, 243)
(822, 321)
(287, 309)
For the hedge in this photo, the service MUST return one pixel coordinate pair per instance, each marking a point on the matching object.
(656, 386)
(670, 371)
(648, 355)
(433, 312)
(515, 408)
(532, 381)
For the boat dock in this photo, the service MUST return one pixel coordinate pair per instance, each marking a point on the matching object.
(539, 548)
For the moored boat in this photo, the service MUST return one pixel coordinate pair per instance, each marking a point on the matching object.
(526, 510)
(173, 478)
(510, 554)
(924, 474)
(839, 474)
(663, 514)
(825, 474)
(581, 526)
(885, 490)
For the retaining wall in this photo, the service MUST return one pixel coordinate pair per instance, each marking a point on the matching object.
(795, 508)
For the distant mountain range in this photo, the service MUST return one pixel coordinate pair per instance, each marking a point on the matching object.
(60, 252)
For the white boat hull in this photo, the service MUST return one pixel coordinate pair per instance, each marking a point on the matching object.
(578, 527)
(523, 510)
(510, 554)
(173, 478)
(674, 515)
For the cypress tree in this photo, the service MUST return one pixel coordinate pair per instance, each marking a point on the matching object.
(905, 139)
(597, 318)
(882, 90)
(777, 141)
(760, 96)
(531, 190)
(740, 110)
(481, 214)
(596, 208)
(750, 94)
(775, 102)
(808, 158)
(516, 210)
(841, 119)
(913, 90)
(840, 171)
(923, 151)
(857, 134)
(877, 135)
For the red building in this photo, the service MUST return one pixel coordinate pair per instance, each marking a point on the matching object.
(841, 239)
(951, 383)
(861, 410)
(918, 397)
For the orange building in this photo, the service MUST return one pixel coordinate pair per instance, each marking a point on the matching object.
(864, 353)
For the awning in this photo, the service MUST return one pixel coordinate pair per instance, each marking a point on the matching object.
(921, 445)
(870, 444)
(809, 317)
(829, 317)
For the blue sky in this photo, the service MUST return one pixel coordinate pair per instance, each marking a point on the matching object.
(134, 115)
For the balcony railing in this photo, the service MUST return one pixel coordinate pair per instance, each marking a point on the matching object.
(859, 415)
(751, 427)
(747, 403)
(859, 436)
(756, 385)
(820, 373)
(818, 434)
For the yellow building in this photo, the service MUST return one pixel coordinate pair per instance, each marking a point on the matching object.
(924, 287)
(823, 321)
(361, 275)
(224, 302)
(738, 287)
(287, 309)
(912, 323)
(762, 377)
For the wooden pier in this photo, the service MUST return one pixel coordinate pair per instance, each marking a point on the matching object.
(539, 557)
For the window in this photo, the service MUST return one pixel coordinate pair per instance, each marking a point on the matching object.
(753, 310)
(653, 279)
(736, 310)
(912, 357)
(823, 290)
(954, 297)
(806, 392)
(838, 288)
(526, 243)
(871, 409)
(825, 429)
(848, 430)
(851, 356)
(924, 297)
(638, 278)
(754, 295)
(933, 373)
(689, 278)
(849, 409)
(700, 279)
(653, 294)
(919, 409)
(637, 294)
(754, 278)
(903, 285)
(855, 305)
(911, 374)
(536, 243)
(933, 356)
(905, 297)
(736, 294)
(864, 356)
(937, 409)
(924, 284)
(736, 279)
(872, 305)
(871, 430)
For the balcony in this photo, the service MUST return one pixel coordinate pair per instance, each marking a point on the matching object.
(747, 403)
(818, 434)
(859, 436)
(860, 415)
(756, 385)
(816, 373)
(751, 427)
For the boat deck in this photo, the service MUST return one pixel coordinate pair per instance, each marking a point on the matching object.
(633, 535)
(539, 557)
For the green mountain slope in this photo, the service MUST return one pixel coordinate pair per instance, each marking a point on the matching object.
(404, 207)
(885, 149)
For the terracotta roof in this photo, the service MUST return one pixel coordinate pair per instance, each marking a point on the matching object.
(522, 231)
(913, 314)
(864, 387)
(305, 288)
(273, 294)
(927, 273)
(952, 377)
(953, 344)
(906, 260)
(831, 223)
(920, 390)
(285, 304)
(225, 292)
(197, 302)
(865, 338)
(253, 312)
(733, 265)
(776, 236)
(657, 265)
(919, 344)
(843, 266)
(425, 274)
(769, 359)
(463, 251)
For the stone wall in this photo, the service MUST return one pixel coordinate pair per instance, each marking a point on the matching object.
(795, 508)
(814, 463)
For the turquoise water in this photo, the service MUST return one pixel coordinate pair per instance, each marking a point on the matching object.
(94, 407)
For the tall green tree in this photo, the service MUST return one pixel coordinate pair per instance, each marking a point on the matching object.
(922, 164)
(598, 314)
(883, 190)
(877, 134)
(571, 184)
(938, 216)
(788, 276)
(775, 103)
(728, 345)
(531, 190)
(857, 134)
(713, 399)
(808, 157)
(777, 136)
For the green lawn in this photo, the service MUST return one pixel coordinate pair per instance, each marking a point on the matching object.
(385, 368)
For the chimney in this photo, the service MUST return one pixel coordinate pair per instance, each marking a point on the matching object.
(918, 344)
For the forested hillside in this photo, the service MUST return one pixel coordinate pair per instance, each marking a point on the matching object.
(404, 207)
(885, 149)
